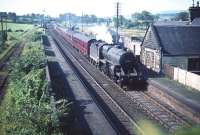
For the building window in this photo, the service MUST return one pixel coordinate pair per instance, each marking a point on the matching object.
(194, 64)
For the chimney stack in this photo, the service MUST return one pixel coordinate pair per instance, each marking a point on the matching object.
(194, 11)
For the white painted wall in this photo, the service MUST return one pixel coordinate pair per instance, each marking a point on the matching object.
(134, 46)
(187, 78)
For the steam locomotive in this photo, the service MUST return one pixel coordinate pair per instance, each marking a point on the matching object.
(112, 59)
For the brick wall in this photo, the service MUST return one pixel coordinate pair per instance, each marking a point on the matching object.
(169, 71)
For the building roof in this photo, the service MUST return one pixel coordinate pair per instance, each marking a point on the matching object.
(196, 21)
(151, 40)
(174, 38)
(78, 35)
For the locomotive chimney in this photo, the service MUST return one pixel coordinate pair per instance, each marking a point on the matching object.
(194, 11)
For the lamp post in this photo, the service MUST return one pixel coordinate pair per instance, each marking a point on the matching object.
(44, 21)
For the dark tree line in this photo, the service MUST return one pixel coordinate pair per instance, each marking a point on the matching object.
(86, 19)
(144, 19)
(28, 18)
(182, 16)
(138, 20)
(10, 16)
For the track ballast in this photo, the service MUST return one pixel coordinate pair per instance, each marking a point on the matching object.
(128, 105)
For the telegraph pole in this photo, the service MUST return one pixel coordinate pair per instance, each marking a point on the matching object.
(69, 20)
(44, 18)
(6, 24)
(2, 37)
(82, 22)
(44, 22)
(117, 23)
(4, 33)
(65, 20)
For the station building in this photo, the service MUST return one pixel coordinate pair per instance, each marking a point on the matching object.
(175, 43)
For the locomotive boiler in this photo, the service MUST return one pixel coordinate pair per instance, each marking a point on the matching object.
(114, 61)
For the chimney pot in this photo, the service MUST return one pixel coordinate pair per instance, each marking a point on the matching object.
(194, 11)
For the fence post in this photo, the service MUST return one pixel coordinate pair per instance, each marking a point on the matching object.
(185, 77)
(177, 74)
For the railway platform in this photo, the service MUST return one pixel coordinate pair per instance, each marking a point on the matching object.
(90, 118)
(182, 98)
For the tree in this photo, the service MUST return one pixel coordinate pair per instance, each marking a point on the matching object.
(93, 18)
(182, 16)
(145, 18)
(115, 21)
(12, 16)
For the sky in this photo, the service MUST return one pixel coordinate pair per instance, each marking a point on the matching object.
(100, 8)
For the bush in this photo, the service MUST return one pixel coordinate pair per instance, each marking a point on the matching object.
(195, 130)
(31, 58)
(9, 30)
(20, 30)
(37, 36)
(29, 110)
(26, 108)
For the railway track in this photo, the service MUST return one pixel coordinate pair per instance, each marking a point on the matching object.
(132, 103)
(167, 117)
(14, 52)
(101, 95)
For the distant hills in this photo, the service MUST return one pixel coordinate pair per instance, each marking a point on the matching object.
(171, 11)
(169, 14)
(164, 14)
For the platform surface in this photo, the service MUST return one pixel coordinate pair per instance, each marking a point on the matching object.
(94, 117)
(188, 96)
